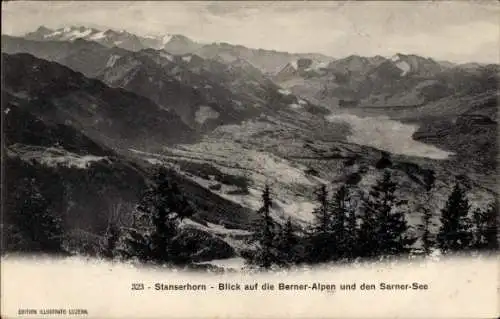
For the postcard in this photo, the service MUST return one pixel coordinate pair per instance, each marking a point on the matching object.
(250, 159)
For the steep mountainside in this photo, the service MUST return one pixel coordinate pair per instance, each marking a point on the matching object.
(205, 93)
(201, 102)
(469, 128)
(113, 116)
(58, 129)
(87, 57)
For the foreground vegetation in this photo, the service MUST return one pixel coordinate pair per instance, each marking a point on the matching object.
(343, 230)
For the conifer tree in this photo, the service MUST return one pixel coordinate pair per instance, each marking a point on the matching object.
(113, 231)
(320, 237)
(428, 241)
(322, 214)
(341, 212)
(392, 223)
(491, 235)
(34, 223)
(156, 222)
(351, 232)
(454, 233)
(288, 244)
(267, 253)
(367, 236)
(383, 227)
(136, 238)
(485, 228)
(478, 228)
(112, 238)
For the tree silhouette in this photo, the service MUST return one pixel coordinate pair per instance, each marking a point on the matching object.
(288, 244)
(351, 232)
(454, 233)
(478, 229)
(383, 226)
(321, 239)
(343, 233)
(34, 225)
(428, 240)
(485, 228)
(112, 239)
(156, 222)
(491, 234)
(267, 253)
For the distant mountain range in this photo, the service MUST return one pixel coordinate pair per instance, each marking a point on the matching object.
(267, 61)
(177, 44)
(209, 85)
(204, 93)
(402, 80)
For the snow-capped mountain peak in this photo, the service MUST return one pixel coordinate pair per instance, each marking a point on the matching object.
(166, 39)
(401, 63)
(301, 65)
(69, 33)
(174, 43)
(97, 36)
(404, 67)
(396, 57)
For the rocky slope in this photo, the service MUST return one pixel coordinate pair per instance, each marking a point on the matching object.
(84, 56)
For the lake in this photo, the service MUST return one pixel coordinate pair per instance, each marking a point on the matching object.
(386, 134)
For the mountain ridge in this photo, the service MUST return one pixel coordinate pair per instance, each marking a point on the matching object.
(187, 45)
(205, 93)
(265, 60)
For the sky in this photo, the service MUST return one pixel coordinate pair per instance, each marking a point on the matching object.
(457, 31)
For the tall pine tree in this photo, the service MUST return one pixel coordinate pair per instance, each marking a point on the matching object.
(478, 229)
(485, 228)
(112, 238)
(288, 244)
(491, 232)
(383, 226)
(428, 241)
(265, 236)
(351, 231)
(454, 233)
(156, 222)
(321, 239)
(427, 237)
(34, 224)
(341, 213)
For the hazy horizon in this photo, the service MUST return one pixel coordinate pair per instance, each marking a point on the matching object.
(459, 32)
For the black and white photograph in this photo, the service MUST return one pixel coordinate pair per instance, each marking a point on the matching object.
(239, 138)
